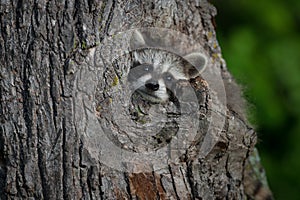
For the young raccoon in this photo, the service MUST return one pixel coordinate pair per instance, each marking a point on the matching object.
(155, 72)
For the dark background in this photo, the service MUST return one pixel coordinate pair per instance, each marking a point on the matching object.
(260, 42)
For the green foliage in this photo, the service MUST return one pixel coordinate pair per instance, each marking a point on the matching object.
(260, 41)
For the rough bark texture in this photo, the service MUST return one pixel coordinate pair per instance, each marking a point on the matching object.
(45, 150)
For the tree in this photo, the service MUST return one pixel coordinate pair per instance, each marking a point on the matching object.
(62, 75)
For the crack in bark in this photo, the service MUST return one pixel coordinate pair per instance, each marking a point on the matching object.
(184, 180)
(228, 175)
(173, 182)
(20, 161)
(52, 89)
(109, 20)
(65, 168)
(3, 167)
(126, 178)
(101, 192)
(81, 165)
(42, 169)
(189, 176)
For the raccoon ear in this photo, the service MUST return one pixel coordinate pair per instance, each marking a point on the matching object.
(197, 63)
(137, 40)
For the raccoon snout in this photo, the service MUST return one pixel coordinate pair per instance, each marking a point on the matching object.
(152, 85)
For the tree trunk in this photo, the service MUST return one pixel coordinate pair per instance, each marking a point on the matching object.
(65, 129)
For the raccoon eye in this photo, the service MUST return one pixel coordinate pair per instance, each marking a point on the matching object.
(147, 68)
(168, 77)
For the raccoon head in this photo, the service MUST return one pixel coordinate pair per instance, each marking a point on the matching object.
(155, 73)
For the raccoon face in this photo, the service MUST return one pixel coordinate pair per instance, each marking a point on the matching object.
(155, 73)
(151, 81)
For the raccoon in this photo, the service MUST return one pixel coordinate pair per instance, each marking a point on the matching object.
(155, 72)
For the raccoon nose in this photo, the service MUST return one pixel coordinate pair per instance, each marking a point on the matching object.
(152, 85)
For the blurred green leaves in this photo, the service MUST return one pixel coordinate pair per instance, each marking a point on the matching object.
(260, 41)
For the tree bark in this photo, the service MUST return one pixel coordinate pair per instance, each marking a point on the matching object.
(56, 97)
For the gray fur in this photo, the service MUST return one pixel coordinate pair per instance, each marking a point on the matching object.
(165, 66)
